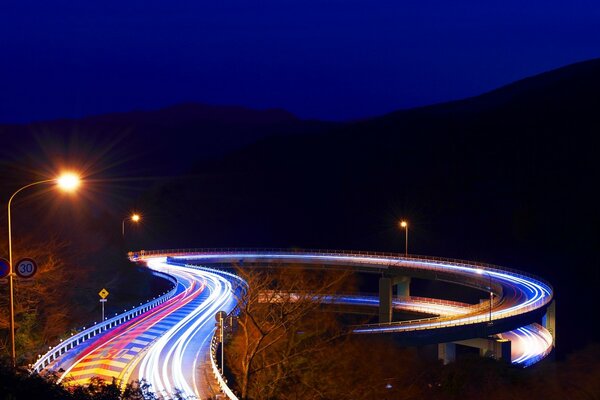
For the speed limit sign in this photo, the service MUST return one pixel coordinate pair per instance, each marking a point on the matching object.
(26, 268)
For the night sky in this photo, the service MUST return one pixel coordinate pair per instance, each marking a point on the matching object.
(326, 59)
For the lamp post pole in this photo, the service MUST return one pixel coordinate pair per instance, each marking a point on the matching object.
(404, 224)
(66, 182)
(13, 353)
(491, 298)
(482, 271)
(134, 218)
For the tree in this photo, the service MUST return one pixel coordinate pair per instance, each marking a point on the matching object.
(290, 344)
(40, 313)
(282, 326)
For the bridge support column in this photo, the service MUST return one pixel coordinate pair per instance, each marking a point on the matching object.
(385, 300)
(402, 284)
(447, 352)
(549, 321)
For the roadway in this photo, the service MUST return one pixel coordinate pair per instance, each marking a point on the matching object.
(529, 344)
(168, 346)
(515, 293)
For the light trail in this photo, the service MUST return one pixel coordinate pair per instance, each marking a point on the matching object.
(161, 346)
(529, 344)
(528, 293)
(168, 364)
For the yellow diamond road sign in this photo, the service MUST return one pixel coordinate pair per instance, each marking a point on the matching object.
(103, 293)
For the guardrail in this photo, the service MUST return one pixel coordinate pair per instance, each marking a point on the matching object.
(358, 253)
(213, 362)
(392, 257)
(98, 328)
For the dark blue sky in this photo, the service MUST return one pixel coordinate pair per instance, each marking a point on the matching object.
(329, 59)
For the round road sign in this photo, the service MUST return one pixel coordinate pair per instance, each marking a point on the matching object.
(26, 268)
(4, 268)
(221, 315)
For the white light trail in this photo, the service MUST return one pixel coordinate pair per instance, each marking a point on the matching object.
(168, 364)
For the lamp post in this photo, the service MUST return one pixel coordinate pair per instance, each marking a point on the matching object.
(404, 224)
(135, 217)
(481, 271)
(67, 182)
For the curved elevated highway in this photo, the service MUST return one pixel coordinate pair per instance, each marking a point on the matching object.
(518, 299)
(168, 346)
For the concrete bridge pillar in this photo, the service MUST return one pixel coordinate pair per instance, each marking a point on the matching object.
(402, 284)
(385, 300)
(549, 321)
(447, 352)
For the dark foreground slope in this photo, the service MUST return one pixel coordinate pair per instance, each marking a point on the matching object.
(507, 177)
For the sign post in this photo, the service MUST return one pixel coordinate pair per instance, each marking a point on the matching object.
(220, 317)
(103, 295)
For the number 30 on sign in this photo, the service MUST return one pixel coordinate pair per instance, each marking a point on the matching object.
(26, 268)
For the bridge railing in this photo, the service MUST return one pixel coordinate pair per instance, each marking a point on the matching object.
(213, 362)
(87, 333)
(392, 257)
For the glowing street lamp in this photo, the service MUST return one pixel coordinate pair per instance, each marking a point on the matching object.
(481, 272)
(67, 182)
(135, 217)
(404, 224)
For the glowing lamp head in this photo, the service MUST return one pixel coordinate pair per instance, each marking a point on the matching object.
(403, 224)
(135, 217)
(68, 182)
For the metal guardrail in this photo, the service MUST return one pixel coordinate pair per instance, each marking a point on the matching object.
(98, 328)
(220, 379)
(393, 257)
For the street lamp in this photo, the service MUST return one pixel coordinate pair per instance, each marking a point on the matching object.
(135, 217)
(481, 272)
(404, 224)
(67, 182)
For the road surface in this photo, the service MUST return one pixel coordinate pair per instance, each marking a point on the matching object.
(167, 346)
